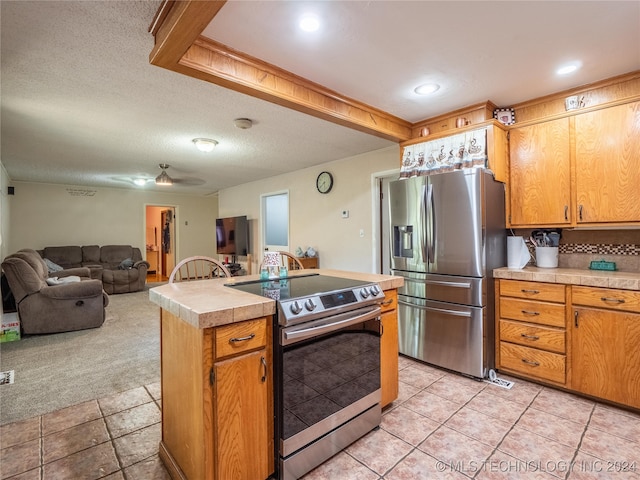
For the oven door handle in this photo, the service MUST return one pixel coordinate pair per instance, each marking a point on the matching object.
(304, 333)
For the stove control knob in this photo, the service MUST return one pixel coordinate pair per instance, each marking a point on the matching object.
(309, 305)
(375, 291)
(295, 308)
(364, 293)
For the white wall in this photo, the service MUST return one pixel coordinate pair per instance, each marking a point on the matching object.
(4, 211)
(51, 215)
(315, 219)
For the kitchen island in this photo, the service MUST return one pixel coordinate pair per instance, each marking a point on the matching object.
(575, 329)
(217, 393)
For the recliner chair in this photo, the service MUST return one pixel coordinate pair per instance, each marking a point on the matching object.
(44, 308)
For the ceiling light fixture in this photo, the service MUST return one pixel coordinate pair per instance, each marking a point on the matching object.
(164, 179)
(427, 88)
(309, 22)
(140, 181)
(568, 68)
(243, 123)
(205, 144)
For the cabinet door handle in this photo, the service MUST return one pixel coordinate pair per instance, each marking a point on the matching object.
(535, 292)
(615, 300)
(566, 212)
(530, 337)
(264, 366)
(386, 303)
(580, 211)
(529, 362)
(575, 318)
(242, 339)
(527, 312)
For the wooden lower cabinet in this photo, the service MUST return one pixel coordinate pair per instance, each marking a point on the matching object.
(606, 344)
(309, 262)
(531, 334)
(593, 349)
(217, 400)
(389, 348)
(240, 412)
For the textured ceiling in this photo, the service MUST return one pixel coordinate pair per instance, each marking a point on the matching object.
(81, 105)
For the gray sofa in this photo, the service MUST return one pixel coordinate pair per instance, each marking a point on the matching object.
(120, 267)
(70, 301)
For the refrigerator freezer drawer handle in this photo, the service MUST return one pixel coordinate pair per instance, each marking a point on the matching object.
(449, 284)
(456, 313)
(439, 282)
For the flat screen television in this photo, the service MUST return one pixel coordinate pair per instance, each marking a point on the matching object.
(232, 235)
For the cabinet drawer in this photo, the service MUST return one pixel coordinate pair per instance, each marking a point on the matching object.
(548, 292)
(390, 301)
(546, 338)
(533, 312)
(240, 337)
(624, 300)
(533, 362)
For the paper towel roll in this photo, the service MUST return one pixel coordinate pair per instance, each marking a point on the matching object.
(517, 252)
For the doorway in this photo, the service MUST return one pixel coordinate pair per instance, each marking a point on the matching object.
(160, 227)
(382, 252)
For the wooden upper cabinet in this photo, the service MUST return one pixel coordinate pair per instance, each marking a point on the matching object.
(608, 165)
(540, 174)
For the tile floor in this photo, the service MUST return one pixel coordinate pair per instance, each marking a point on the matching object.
(442, 426)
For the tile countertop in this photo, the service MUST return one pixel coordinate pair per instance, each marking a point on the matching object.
(208, 303)
(573, 276)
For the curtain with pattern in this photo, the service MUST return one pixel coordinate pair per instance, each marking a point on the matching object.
(463, 150)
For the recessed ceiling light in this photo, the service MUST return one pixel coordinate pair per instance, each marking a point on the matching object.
(568, 68)
(205, 144)
(309, 22)
(140, 181)
(427, 88)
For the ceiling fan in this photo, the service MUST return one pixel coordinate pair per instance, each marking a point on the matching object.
(165, 180)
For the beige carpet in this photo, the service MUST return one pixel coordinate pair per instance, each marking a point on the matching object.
(60, 370)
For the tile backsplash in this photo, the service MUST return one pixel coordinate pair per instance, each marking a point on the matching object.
(578, 248)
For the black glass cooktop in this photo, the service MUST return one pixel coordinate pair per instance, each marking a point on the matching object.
(298, 286)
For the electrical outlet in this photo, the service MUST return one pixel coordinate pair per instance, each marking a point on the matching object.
(345, 213)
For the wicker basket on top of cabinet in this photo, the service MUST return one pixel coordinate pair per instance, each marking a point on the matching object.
(531, 330)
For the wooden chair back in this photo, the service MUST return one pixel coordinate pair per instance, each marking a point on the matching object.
(198, 268)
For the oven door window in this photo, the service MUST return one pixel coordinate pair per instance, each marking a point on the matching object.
(323, 375)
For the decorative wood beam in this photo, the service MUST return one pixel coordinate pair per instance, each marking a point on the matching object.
(177, 25)
(179, 47)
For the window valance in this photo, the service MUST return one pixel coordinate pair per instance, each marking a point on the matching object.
(463, 150)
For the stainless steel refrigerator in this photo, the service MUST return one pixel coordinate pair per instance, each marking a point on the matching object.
(447, 235)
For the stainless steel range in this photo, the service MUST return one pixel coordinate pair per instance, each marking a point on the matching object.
(326, 366)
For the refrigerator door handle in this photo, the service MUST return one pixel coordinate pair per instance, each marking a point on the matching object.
(432, 224)
(438, 310)
(424, 196)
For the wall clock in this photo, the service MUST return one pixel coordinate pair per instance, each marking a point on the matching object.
(324, 182)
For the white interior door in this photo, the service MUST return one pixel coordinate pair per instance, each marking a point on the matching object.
(275, 221)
